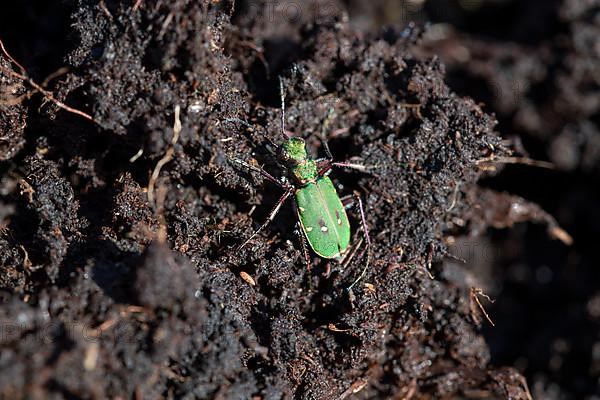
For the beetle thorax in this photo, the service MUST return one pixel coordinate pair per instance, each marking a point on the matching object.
(305, 172)
(302, 168)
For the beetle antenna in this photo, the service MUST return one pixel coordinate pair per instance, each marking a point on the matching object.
(364, 271)
(253, 129)
(328, 119)
(282, 96)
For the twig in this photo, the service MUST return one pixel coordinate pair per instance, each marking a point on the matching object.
(454, 196)
(14, 101)
(559, 233)
(137, 155)
(354, 388)
(105, 9)
(525, 387)
(517, 160)
(137, 4)
(166, 158)
(408, 391)
(416, 107)
(10, 58)
(54, 75)
(475, 293)
(23, 76)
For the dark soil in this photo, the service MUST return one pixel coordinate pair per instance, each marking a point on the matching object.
(121, 269)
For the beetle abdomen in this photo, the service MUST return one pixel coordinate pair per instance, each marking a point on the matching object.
(323, 218)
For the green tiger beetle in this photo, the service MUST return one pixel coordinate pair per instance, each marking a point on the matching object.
(321, 212)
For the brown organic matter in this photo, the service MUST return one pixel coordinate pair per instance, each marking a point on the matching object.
(121, 269)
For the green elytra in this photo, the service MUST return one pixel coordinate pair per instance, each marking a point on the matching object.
(321, 212)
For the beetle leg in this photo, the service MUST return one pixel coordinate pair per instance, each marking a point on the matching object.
(272, 215)
(358, 167)
(324, 166)
(367, 238)
(253, 129)
(348, 201)
(241, 121)
(261, 171)
(302, 239)
(349, 256)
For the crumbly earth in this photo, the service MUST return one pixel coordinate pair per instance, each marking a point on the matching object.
(121, 269)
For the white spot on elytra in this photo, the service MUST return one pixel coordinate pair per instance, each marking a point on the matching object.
(301, 209)
(324, 229)
(339, 221)
(309, 229)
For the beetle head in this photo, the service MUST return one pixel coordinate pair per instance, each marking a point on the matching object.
(293, 150)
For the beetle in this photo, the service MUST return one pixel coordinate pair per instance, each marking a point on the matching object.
(321, 212)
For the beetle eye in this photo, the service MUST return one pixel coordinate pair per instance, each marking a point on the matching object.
(284, 155)
(291, 161)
